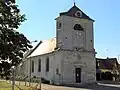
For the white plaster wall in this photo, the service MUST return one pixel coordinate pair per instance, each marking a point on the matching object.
(54, 63)
(43, 73)
(66, 61)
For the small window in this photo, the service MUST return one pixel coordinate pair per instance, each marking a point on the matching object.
(32, 66)
(78, 27)
(39, 65)
(58, 25)
(47, 65)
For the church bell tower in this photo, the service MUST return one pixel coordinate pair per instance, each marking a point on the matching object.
(74, 30)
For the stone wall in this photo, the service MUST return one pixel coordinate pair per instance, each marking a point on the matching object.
(68, 38)
(83, 60)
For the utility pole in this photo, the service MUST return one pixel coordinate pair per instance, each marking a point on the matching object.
(119, 66)
(107, 53)
(118, 57)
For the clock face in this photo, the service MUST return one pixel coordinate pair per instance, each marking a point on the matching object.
(78, 14)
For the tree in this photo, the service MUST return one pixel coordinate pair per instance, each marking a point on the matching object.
(12, 43)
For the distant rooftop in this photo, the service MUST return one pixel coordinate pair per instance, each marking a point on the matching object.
(107, 63)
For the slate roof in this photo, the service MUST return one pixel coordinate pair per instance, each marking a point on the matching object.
(106, 63)
(44, 47)
(71, 12)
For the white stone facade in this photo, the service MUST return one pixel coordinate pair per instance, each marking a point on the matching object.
(66, 62)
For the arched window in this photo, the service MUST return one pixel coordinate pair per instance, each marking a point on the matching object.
(78, 27)
(39, 65)
(47, 64)
(32, 66)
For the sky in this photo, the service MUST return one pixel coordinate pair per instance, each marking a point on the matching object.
(41, 14)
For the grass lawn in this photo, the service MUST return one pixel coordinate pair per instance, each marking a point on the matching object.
(6, 86)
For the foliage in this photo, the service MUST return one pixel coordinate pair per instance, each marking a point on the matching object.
(12, 43)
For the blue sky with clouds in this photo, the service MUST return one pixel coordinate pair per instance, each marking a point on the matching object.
(41, 16)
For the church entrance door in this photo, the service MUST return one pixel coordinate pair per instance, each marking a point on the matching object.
(78, 75)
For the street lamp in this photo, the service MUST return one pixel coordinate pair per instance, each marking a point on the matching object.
(30, 64)
(33, 41)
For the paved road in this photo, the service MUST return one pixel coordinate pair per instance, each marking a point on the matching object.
(100, 86)
(90, 87)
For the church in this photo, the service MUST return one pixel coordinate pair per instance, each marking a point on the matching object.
(69, 58)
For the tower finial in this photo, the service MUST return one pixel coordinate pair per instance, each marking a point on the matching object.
(74, 2)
